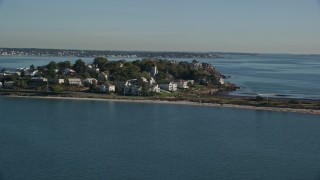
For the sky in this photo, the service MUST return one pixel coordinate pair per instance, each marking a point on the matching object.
(259, 26)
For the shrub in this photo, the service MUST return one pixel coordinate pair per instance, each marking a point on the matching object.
(56, 89)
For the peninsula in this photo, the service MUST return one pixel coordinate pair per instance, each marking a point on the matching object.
(146, 80)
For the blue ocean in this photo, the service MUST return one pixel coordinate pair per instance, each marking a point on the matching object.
(76, 139)
(89, 139)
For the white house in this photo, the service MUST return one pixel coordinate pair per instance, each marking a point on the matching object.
(128, 87)
(0, 84)
(30, 72)
(73, 82)
(4, 74)
(111, 87)
(154, 88)
(169, 86)
(61, 81)
(121, 85)
(152, 81)
(18, 73)
(191, 82)
(182, 84)
(144, 79)
(22, 69)
(107, 88)
(89, 81)
(93, 68)
(68, 71)
(38, 80)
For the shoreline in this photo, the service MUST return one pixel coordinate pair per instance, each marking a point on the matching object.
(186, 103)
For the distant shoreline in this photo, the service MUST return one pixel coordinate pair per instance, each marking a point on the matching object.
(177, 102)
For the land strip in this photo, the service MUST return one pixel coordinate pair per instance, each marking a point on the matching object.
(280, 105)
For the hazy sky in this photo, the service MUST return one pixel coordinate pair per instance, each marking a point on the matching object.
(285, 26)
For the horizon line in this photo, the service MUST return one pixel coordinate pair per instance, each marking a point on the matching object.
(164, 51)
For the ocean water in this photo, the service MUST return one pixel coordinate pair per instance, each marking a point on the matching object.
(75, 139)
(291, 76)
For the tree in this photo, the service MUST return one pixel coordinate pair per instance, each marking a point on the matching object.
(86, 75)
(80, 67)
(161, 77)
(146, 75)
(128, 71)
(32, 67)
(144, 87)
(52, 65)
(93, 86)
(51, 73)
(146, 64)
(101, 62)
(64, 65)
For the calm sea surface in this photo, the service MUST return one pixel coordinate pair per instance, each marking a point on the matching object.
(292, 76)
(70, 139)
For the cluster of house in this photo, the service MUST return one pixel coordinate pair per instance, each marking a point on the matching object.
(129, 87)
(27, 72)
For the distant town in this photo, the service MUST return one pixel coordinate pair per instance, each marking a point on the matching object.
(97, 53)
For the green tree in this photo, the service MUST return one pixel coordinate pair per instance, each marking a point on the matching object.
(80, 67)
(64, 65)
(101, 62)
(161, 77)
(32, 67)
(144, 87)
(146, 64)
(128, 71)
(145, 75)
(93, 86)
(86, 75)
(51, 74)
(52, 66)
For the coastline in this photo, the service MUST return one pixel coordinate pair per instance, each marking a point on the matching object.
(188, 103)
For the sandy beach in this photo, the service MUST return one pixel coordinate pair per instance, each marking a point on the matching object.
(291, 110)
